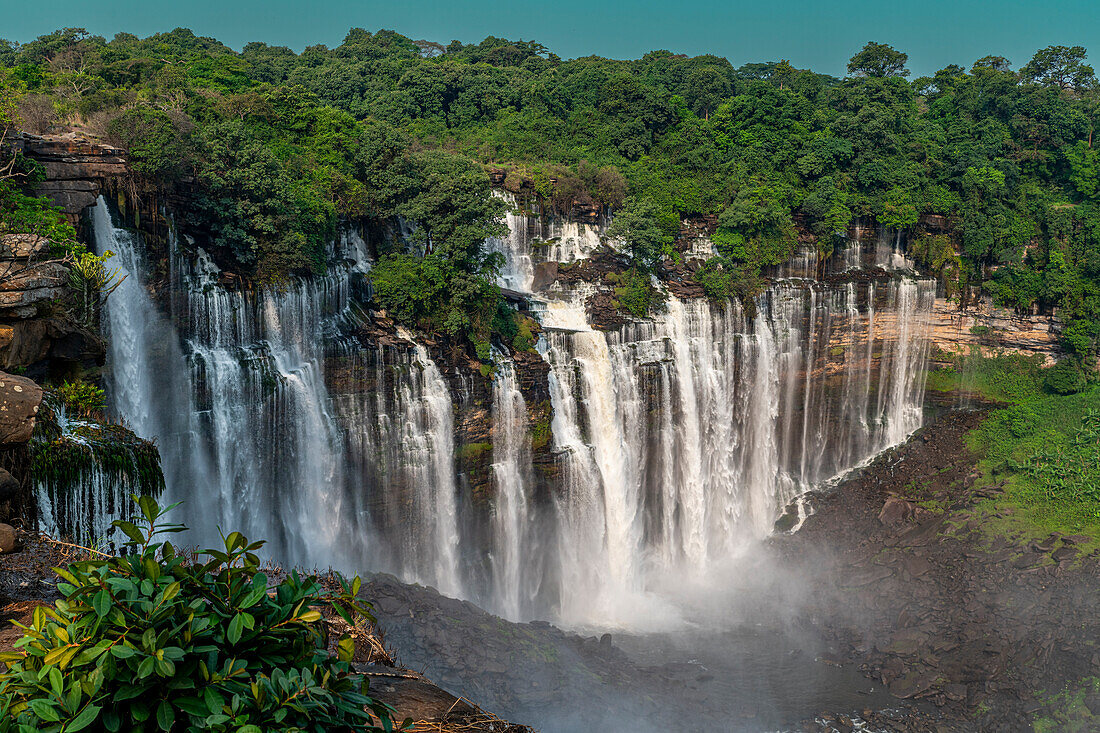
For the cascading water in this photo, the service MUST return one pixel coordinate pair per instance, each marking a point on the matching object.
(84, 473)
(512, 479)
(249, 433)
(531, 240)
(700, 425)
(677, 440)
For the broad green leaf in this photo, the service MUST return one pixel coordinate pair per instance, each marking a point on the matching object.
(86, 717)
(165, 715)
(101, 603)
(236, 627)
(56, 683)
(146, 667)
(44, 710)
(122, 651)
(130, 531)
(172, 591)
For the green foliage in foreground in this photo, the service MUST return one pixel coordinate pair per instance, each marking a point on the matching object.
(151, 641)
(1045, 445)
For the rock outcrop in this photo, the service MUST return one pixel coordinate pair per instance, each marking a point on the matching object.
(76, 169)
(956, 329)
(36, 333)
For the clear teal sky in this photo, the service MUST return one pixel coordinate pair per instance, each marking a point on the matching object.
(819, 35)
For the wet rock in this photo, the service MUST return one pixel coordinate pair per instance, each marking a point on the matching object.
(866, 576)
(604, 311)
(907, 642)
(9, 485)
(921, 534)
(918, 565)
(545, 274)
(912, 684)
(1064, 553)
(19, 402)
(955, 691)
(895, 511)
(9, 540)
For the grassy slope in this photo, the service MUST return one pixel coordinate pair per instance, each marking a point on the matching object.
(1046, 447)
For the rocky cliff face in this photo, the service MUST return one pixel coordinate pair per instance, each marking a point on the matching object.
(20, 399)
(957, 328)
(77, 170)
(37, 334)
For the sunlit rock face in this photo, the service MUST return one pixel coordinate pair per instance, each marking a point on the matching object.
(569, 482)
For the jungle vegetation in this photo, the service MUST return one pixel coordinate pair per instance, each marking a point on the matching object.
(277, 147)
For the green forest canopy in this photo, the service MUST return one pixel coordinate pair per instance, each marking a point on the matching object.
(283, 145)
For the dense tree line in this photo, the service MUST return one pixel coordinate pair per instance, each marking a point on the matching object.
(282, 145)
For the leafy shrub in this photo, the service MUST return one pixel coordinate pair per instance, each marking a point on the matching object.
(149, 641)
(1065, 377)
(1071, 471)
(81, 398)
(637, 294)
(93, 282)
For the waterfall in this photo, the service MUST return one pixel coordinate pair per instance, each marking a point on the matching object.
(239, 411)
(675, 441)
(428, 440)
(84, 473)
(682, 437)
(234, 392)
(512, 480)
(518, 272)
(531, 240)
(394, 408)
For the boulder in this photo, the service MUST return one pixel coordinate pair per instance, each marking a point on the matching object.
(895, 511)
(9, 540)
(9, 485)
(19, 402)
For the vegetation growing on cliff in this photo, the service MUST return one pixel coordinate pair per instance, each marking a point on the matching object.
(280, 145)
(157, 640)
(21, 213)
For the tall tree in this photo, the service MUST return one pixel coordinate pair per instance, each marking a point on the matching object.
(1060, 66)
(878, 60)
